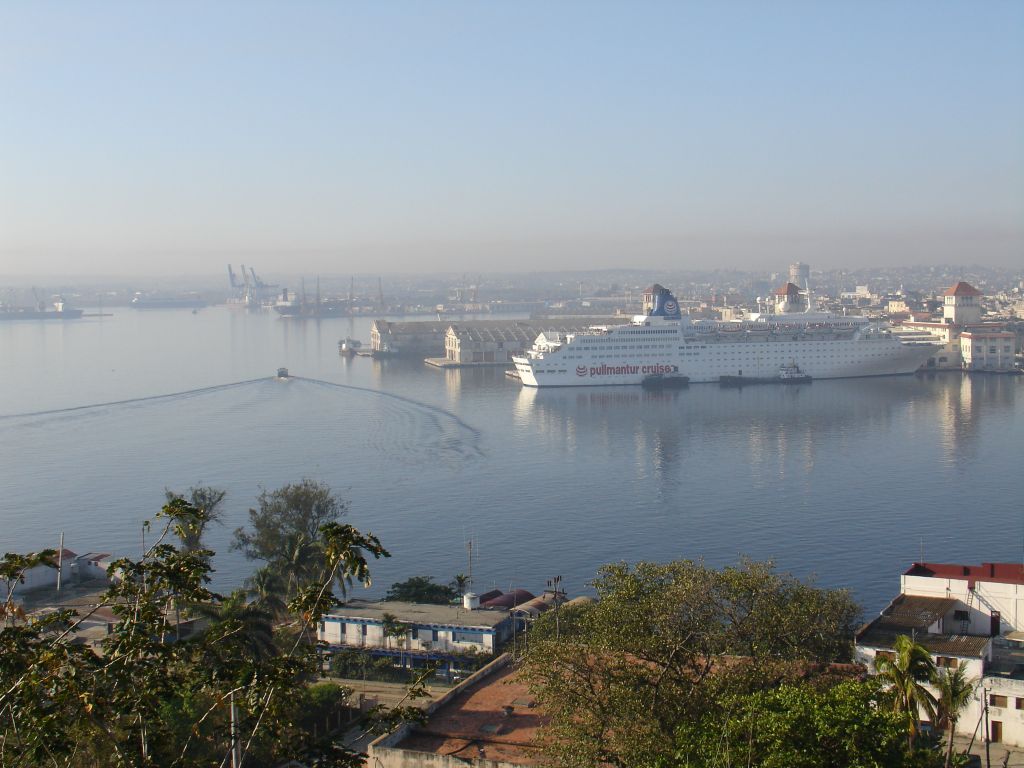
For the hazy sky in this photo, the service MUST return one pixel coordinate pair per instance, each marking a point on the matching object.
(387, 136)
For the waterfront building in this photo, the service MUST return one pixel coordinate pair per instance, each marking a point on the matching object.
(968, 343)
(423, 338)
(43, 576)
(968, 616)
(961, 304)
(984, 349)
(434, 631)
(495, 341)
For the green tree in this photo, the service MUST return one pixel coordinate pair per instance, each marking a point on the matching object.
(421, 589)
(140, 699)
(242, 622)
(664, 643)
(796, 726)
(460, 583)
(13, 568)
(203, 498)
(954, 693)
(906, 672)
(268, 589)
(284, 532)
(395, 630)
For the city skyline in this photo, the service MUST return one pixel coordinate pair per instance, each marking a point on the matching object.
(348, 138)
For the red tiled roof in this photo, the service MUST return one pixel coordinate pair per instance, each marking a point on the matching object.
(1002, 573)
(496, 719)
(788, 290)
(963, 289)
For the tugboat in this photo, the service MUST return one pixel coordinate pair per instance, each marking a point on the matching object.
(789, 373)
(665, 381)
(349, 347)
(282, 373)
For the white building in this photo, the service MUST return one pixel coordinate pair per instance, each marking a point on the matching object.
(968, 616)
(44, 576)
(429, 629)
(987, 350)
(961, 304)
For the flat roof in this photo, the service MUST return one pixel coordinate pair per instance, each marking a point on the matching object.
(911, 615)
(421, 613)
(1002, 573)
(965, 646)
(474, 724)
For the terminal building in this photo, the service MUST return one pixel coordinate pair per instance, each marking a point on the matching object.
(968, 343)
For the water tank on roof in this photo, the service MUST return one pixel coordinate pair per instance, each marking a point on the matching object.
(470, 601)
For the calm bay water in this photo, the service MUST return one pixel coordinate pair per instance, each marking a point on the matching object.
(845, 480)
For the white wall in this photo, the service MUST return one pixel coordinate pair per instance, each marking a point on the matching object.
(988, 596)
(337, 631)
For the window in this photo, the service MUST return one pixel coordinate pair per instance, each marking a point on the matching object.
(1020, 703)
(961, 615)
(885, 655)
(996, 700)
(947, 661)
(461, 636)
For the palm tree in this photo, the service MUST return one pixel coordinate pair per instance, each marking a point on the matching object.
(268, 589)
(906, 672)
(460, 582)
(955, 692)
(300, 562)
(249, 624)
(394, 629)
(203, 498)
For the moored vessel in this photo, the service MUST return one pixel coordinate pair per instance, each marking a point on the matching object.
(789, 373)
(60, 311)
(819, 345)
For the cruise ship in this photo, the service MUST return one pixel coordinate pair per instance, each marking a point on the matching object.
(664, 342)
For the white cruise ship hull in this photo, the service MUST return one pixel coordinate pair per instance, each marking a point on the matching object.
(706, 361)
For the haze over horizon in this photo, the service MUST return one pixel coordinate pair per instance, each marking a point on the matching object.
(337, 138)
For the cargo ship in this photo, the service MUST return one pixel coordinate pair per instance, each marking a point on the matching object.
(60, 311)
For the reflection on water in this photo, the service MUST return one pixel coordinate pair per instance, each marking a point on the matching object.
(839, 478)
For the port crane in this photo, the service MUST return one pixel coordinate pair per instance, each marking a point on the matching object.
(250, 288)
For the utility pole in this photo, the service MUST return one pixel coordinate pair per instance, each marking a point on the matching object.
(988, 759)
(554, 583)
(236, 757)
(60, 560)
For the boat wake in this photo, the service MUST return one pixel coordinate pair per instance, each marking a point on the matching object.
(396, 426)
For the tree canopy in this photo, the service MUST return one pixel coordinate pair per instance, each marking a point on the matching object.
(422, 589)
(142, 697)
(284, 532)
(668, 644)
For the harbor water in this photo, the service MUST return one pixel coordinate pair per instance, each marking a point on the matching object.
(848, 481)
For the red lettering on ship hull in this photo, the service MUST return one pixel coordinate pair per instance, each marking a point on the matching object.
(625, 370)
